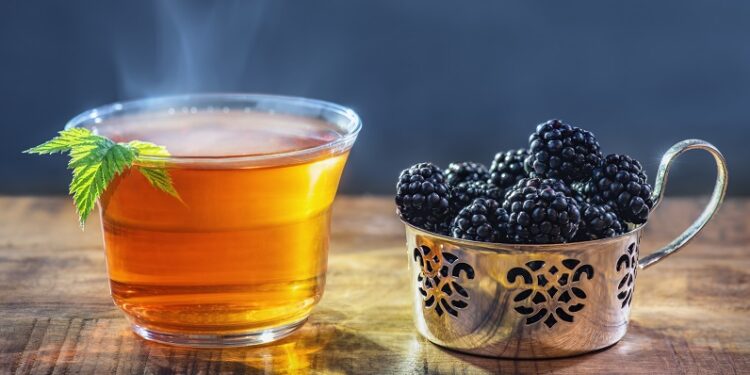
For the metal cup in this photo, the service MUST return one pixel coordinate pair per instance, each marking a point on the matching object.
(537, 301)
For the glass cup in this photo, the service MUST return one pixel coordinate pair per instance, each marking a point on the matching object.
(240, 258)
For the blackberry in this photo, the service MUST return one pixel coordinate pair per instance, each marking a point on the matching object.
(441, 227)
(621, 183)
(555, 184)
(483, 220)
(598, 221)
(435, 225)
(538, 213)
(422, 197)
(558, 150)
(465, 172)
(464, 193)
(507, 168)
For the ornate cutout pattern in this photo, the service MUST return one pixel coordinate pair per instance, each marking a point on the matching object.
(629, 262)
(550, 291)
(438, 280)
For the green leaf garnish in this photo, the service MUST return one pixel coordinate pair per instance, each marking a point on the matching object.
(96, 160)
(155, 172)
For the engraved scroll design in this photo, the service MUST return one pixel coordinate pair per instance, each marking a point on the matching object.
(629, 262)
(550, 292)
(438, 280)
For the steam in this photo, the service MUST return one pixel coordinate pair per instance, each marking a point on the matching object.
(194, 47)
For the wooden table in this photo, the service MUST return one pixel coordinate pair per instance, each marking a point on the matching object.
(691, 313)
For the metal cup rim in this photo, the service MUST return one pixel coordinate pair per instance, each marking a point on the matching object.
(504, 247)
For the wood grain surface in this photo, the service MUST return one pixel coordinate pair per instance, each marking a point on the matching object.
(691, 312)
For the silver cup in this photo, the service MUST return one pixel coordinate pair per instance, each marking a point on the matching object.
(537, 301)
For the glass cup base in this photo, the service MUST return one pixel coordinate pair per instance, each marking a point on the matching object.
(219, 341)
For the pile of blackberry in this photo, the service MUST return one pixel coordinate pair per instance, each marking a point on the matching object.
(559, 189)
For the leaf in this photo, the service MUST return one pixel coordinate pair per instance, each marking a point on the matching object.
(91, 178)
(148, 148)
(160, 179)
(90, 151)
(63, 142)
(155, 171)
(97, 160)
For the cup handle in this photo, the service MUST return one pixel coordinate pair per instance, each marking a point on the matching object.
(717, 196)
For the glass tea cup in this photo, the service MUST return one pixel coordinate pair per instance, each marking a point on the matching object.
(240, 258)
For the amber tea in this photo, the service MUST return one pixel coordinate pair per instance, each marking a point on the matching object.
(241, 258)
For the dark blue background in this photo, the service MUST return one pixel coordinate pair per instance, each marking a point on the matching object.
(433, 80)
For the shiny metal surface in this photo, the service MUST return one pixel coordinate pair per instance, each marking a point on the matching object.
(717, 197)
(535, 301)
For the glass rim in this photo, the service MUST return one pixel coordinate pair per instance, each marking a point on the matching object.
(348, 129)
